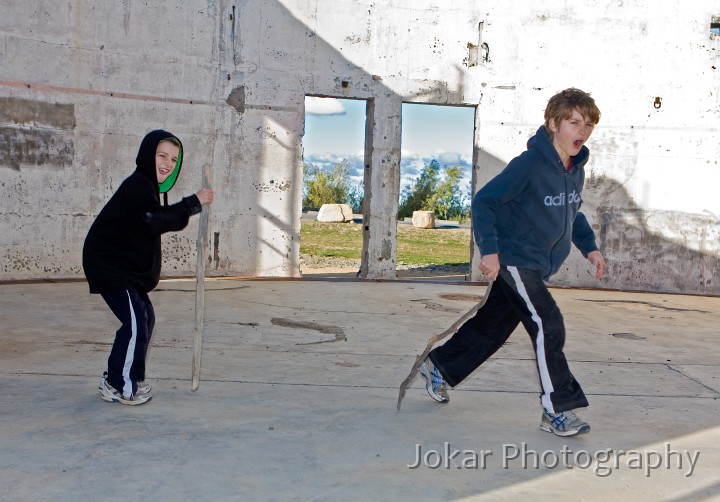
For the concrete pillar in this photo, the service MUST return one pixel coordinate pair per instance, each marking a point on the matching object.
(382, 187)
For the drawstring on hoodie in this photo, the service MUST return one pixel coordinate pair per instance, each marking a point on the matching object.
(165, 198)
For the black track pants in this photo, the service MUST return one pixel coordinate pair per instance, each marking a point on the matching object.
(126, 364)
(518, 296)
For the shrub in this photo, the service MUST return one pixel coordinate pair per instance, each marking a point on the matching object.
(430, 192)
(329, 187)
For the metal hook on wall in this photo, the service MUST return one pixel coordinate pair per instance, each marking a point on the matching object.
(657, 103)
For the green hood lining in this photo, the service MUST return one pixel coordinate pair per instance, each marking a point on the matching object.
(166, 185)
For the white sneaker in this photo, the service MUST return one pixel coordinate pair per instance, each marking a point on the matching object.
(434, 382)
(565, 423)
(108, 393)
(143, 388)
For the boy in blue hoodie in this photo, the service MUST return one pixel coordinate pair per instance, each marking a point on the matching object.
(524, 221)
(122, 257)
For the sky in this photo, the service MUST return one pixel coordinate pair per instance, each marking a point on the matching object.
(335, 130)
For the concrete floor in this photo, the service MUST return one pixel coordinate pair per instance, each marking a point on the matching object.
(298, 390)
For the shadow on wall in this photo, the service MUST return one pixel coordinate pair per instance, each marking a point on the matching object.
(268, 122)
(647, 250)
(261, 231)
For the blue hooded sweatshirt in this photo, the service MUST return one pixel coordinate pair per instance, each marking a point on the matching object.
(529, 213)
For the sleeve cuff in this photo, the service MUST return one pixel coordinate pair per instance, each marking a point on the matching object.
(194, 202)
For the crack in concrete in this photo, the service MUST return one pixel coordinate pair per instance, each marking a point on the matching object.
(628, 336)
(322, 328)
(461, 297)
(429, 304)
(678, 370)
(648, 304)
(165, 290)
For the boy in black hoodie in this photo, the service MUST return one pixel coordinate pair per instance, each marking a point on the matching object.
(524, 221)
(122, 257)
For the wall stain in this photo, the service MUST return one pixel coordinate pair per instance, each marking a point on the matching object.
(216, 249)
(36, 133)
(273, 186)
(236, 99)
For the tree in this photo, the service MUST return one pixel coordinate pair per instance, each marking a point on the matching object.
(438, 191)
(447, 201)
(329, 187)
(416, 197)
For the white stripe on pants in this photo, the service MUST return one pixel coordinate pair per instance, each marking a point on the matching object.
(130, 355)
(545, 380)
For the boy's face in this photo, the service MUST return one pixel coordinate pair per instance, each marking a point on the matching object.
(571, 134)
(166, 157)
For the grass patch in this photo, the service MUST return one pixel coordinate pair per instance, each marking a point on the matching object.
(416, 246)
(433, 246)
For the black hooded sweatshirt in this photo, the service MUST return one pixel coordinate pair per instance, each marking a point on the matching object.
(122, 249)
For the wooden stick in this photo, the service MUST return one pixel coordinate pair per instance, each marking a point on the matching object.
(200, 284)
(435, 339)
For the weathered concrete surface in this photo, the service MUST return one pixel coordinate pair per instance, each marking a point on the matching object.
(297, 402)
(81, 83)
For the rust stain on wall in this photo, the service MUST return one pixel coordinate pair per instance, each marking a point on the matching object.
(36, 133)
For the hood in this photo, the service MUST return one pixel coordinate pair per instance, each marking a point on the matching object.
(145, 161)
(542, 143)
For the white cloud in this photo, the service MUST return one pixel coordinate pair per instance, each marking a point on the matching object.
(409, 154)
(410, 168)
(323, 106)
(450, 158)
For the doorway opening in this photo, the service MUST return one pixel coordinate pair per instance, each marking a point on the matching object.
(331, 234)
(435, 192)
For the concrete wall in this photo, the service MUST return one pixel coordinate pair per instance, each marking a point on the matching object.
(81, 83)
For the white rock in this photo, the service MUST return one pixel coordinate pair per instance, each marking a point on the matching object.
(423, 219)
(335, 213)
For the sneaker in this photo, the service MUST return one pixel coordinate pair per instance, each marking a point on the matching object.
(143, 388)
(565, 423)
(102, 380)
(434, 382)
(108, 393)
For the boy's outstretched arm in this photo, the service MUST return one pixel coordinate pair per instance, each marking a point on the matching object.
(161, 219)
(596, 258)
